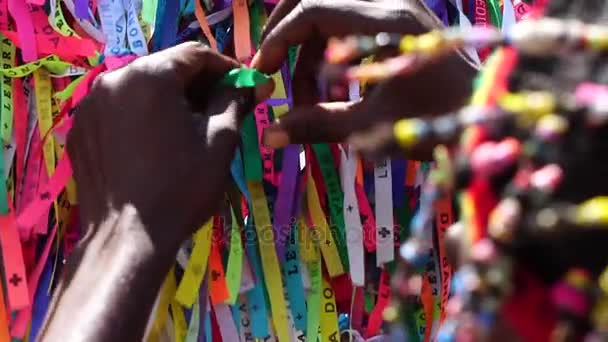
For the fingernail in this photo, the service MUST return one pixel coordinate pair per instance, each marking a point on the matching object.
(263, 91)
(255, 60)
(275, 137)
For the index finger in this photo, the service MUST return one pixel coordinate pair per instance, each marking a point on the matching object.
(278, 13)
(329, 18)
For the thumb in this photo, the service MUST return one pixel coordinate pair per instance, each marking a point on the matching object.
(225, 110)
(219, 127)
(227, 105)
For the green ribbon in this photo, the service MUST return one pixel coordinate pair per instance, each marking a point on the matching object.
(255, 18)
(247, 78)
(244, 78)
(495, 13)
(3, 191)
(370, 302)
(251, 152)
(235, 261)
(69, 90)
(314, 300)
(336, 199)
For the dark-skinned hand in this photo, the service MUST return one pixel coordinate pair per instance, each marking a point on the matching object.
(151, 146)
(160, 134)
(438, 88)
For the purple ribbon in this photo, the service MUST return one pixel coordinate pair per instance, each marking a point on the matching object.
(221, 4)
(440, 9)
(279, 102)
(82, 9)
(287, 83)
(284, 205)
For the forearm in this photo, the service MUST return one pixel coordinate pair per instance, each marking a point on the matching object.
(110, 284)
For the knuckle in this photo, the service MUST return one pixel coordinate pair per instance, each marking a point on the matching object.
(99, 83)
(169, 66)
(146, 68)
(199, 46)
(142, 72)
(312, 5)
(115, 79)
(138, 64)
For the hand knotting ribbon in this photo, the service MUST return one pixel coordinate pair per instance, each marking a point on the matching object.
(244, 78)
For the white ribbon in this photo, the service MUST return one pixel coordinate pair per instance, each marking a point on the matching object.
(247, 281)
(352, 219)
(113, 25)
(465, 24)
(135, 35)
(225, 322)
(508, 16)
(383, 181)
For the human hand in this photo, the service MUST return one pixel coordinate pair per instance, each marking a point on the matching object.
(150, 147)
(159, 134)
(441, 87)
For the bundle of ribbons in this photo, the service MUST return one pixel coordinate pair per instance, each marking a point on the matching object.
(337, 220)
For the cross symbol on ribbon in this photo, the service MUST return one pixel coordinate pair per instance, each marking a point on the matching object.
(15, 280)
(384, 232)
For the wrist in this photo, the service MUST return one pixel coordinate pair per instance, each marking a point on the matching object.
(113, 276)
(153, 227)
(138, 234)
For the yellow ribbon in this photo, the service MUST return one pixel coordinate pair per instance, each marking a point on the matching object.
(187, 292)
(162, 311)
(42, 89)
(326, 243)
(270, 262)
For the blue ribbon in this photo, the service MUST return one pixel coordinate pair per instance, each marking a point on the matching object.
(293, 277)
(42, 299)
(238, 174)
(398, 170)
(166, 28)
(256, 297)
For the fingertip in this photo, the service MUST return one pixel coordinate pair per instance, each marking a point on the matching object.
(264, 91)
(275, 136)
(255, 61)
(269, 58)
